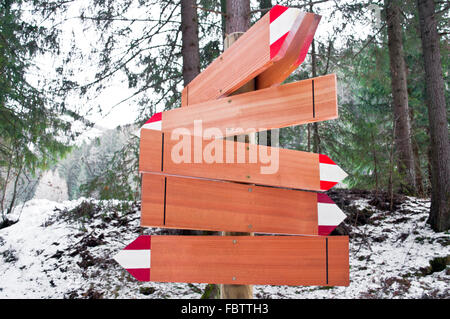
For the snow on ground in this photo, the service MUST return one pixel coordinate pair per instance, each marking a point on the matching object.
(64, 250)
(386, 258)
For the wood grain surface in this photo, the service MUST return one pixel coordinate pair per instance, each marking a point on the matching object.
(245, 59)
(295, 169)
(265, 260)
(187, 203)
(249, 57)
(282, 106)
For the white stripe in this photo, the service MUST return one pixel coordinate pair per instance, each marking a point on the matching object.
(133, 258)
(329, 214)
(283, 24)
(153, 126)
(331, 173)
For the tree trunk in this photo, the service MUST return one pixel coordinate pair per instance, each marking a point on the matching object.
(190, 48)
(391, 170)
(238, 16)
(419, 175)
(375, 163)
(403, 143)
(418, 169)
(440, 147)
(237, 22)
(223, 9)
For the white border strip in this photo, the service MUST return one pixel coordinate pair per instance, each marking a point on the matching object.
(153, 126)
(329, 214)
(283, 24)
(331, 173)
(133, 258)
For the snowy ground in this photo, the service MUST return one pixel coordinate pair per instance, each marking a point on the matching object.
(64, 250)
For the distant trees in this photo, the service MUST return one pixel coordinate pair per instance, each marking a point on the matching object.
(105, 167)
(35, 124)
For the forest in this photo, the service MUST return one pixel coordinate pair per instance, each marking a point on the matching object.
(79, 78)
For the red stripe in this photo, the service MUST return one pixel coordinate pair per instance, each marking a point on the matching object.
(142, 242)
(324, 185)
(141, 274)
(276, 11)
(325, 159)
(326, 230)
(304, 50)
(323, 198)
(155, 118)
(276, 46)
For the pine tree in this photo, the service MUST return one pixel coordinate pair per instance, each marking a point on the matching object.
(437, 112)
(401, 112)
(32, 129)
(190, 49)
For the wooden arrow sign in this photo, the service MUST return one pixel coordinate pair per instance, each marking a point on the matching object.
(301, 102)
(187, 203)
(271, 49)
(235, 161)
(262, 260)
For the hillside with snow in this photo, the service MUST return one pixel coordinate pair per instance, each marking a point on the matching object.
(65, 250)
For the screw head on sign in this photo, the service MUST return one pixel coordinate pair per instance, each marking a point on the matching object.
(234, 241)
(234, 278)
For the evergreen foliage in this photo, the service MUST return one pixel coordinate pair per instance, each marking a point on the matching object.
(35, 125)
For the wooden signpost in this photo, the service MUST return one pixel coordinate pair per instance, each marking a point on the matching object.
(239, 162)
(241, 260)
(194, 178)
(295, 103)
(271, 49)
(188, 203)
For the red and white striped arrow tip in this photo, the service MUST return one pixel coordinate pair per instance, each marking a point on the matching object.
(135, 258)
(284, 23)
(154, 123)
(329, 214)
(330, 173)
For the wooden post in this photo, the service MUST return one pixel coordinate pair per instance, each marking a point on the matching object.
(238, 291)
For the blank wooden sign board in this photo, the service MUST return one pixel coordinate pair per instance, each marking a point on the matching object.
(187, 203)
(295, 103)
(264, 260)
(228, 194)
(239, 162)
